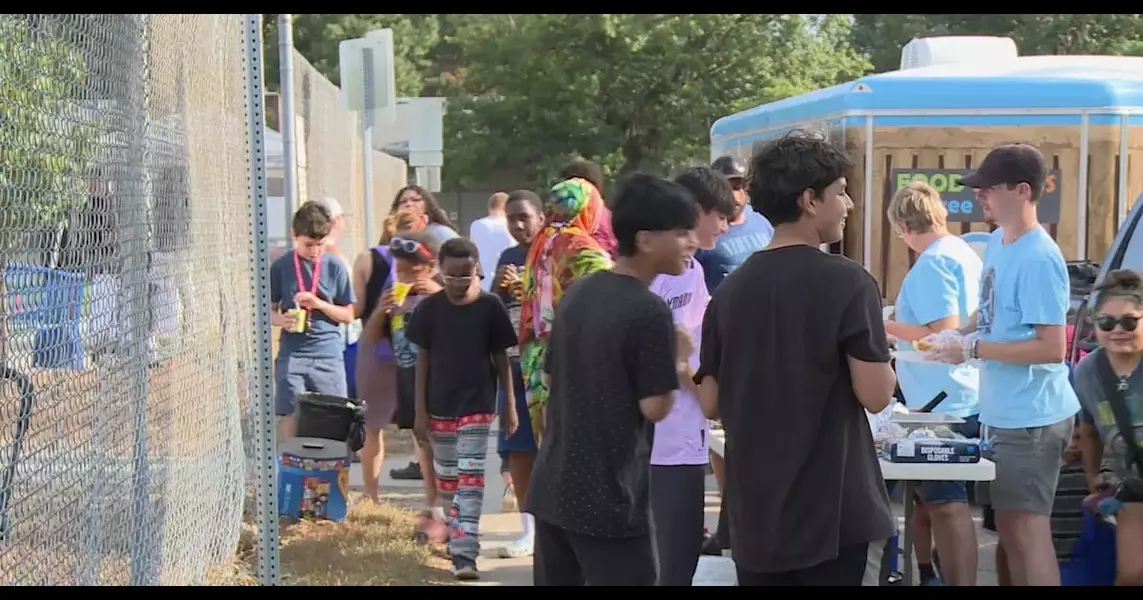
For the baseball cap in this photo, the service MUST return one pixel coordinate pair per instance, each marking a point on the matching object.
(333, 206)
(1010, 164)
(730, 167)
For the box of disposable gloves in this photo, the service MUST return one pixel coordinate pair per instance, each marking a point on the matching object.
(935, 450)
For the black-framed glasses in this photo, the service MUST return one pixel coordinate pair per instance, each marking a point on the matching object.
(1108, 322)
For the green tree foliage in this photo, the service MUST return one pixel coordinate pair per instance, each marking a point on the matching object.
(629, 91)
(46, 140)
(882, 36)
(316, 37)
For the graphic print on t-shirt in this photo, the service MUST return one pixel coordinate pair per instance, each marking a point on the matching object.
(404, 351)
(987, 301)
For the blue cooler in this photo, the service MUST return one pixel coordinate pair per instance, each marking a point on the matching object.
(313, 479)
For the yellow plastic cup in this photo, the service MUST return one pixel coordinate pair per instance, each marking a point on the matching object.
(400, 293)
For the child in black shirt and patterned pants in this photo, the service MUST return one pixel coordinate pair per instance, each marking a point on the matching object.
(463, 334)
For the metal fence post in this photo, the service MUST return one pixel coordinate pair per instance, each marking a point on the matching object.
(133, 192)
(288, 120)
(264, 422)
(367, 142)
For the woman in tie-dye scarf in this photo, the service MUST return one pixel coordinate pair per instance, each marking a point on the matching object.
(563, 252)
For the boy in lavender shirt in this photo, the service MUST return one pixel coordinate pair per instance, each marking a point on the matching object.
(680, 452)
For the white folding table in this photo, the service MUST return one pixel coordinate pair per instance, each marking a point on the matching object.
(910, 474)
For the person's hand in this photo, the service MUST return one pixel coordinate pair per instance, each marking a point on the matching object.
(281, 319)
(505, 276)
(421, 427)
(388, 301)
(892, 339)
(1072, 453)
(1091, 501)
(684, 343)
(306, 300)
(946, 349)
(509, 421)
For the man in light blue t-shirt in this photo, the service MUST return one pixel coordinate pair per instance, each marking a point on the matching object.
(939, 293)
(749, 231)
(1026, 402)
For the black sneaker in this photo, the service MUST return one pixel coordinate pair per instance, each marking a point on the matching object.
(412, 471)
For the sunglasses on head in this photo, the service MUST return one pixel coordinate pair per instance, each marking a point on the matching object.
(1108, 322)
(406, 246)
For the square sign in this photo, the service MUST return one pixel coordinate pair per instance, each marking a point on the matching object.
(961, 201)
(367, 75)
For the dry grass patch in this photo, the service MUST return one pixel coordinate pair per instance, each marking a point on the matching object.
(373, 547)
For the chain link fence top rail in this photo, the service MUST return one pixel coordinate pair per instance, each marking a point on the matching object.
(125, 312)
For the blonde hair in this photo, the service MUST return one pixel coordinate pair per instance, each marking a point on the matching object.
(497, 201)
(917, 208)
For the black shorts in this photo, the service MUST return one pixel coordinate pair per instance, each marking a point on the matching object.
(564, 558)
(406, 398)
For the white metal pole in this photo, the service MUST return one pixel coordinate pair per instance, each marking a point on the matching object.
(264, 429)
(287, 119)
(367, 143)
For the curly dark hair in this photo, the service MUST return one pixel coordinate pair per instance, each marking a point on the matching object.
(782, 169)
(432, 207)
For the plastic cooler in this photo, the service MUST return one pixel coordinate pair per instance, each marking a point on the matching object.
(313, 479)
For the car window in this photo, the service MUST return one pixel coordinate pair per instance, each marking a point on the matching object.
(1133, 254)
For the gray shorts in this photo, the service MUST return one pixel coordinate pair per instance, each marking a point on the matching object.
(1027, 466)
(295, 374)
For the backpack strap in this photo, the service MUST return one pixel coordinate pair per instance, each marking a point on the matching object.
(1116, 396)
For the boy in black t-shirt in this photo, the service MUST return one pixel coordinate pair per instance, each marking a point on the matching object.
(463, 335)
(613, 363)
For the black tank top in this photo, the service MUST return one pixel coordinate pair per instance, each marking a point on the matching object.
(375, 285)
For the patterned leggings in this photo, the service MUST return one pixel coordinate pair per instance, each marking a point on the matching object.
(459, 448)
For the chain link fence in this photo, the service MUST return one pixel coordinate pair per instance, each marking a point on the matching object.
(127, 320)
(331, 156)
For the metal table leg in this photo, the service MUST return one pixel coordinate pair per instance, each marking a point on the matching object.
(907, 546)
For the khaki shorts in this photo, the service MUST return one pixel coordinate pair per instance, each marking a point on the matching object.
(1027, 466)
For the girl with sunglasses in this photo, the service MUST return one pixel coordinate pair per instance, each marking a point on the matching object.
(1109, 384)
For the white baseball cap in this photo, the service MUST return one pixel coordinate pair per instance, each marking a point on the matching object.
(333, 206)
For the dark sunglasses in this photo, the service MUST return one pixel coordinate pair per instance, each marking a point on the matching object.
(409, 247)
(1108, 322)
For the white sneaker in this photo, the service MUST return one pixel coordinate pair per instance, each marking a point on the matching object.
(508, 503)
(520, 548)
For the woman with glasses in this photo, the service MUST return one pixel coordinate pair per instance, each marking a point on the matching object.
(421, 202)
(1109, 384)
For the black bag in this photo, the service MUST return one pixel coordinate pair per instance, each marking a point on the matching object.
(1131, 488)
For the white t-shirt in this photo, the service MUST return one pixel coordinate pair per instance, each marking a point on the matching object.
(490, 234)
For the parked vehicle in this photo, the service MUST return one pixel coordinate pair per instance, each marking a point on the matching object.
(1126, 253)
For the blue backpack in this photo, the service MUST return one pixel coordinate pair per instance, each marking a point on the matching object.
(1092, 562)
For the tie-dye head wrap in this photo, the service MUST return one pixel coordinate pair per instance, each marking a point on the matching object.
(563, 252)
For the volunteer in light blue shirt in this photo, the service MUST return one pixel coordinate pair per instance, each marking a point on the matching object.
(939, 293)
(1025, 284)
(943, 283)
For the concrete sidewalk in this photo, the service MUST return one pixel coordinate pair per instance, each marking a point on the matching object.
(499, 529)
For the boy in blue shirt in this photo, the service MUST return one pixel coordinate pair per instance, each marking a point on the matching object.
(310, 295)
(1026, 403)
(939, 293)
